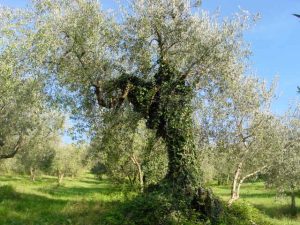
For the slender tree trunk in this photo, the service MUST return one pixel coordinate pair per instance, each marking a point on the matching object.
(32, 174)
(235, 192)
(60, 176)
(140, 172)
(141, 179)
(130, 180)
(235, 184)
(293, 204)
(227, 179)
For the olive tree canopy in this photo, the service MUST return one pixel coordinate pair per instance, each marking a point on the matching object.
(156, 56)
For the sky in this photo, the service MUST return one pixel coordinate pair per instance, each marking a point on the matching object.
(274, 41)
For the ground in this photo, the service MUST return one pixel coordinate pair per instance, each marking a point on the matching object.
(86, 200)
(275, 207)
(77, 201)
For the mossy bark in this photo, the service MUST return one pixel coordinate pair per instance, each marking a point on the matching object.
(166, 104)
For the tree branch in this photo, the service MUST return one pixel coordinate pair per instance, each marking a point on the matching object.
(100, 99)
(252, 174)
(14, 152)
(123, 85)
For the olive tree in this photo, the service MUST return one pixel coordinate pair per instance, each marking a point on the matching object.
(156, 60)
(38, 153)
(156, 56)
(252, 139)
(240, 130)
(68, 161)
(21, 95)
(284, 173)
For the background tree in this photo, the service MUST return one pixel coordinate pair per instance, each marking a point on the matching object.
(20, 104)
(21, 95)
(68, 161)
(38, 154)
(239, 129)
(128, 151)
(284, 173)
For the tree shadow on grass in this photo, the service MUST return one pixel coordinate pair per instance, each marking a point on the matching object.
(7, 178)
(26, 178)
(31, 209)
(258, 195)
(277, 211)
(93, 182)
(274, 210)
(73, 192)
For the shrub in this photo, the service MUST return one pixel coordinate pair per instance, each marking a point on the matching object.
(157, 209)
(241, 213)
(153, 209)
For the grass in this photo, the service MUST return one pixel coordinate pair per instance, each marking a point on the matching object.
(275, 208)
(78, 201)
(88, 201)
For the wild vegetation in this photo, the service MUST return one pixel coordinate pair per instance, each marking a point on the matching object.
(164, 97)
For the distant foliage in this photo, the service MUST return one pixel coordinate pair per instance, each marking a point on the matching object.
(123, 143)
(68, 160)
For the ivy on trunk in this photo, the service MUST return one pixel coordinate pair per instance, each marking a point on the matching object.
(165, 103)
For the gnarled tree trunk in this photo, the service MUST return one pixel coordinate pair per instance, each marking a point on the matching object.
(166, 104)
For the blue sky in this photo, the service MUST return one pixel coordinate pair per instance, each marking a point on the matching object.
(274, 40)
(275, 43)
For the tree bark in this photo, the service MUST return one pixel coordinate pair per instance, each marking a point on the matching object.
(32, 174)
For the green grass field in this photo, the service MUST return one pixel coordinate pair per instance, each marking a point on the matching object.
(267, 201)
(77, 201)
(88, 201)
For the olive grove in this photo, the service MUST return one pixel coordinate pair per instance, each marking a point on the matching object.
(159, 86)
